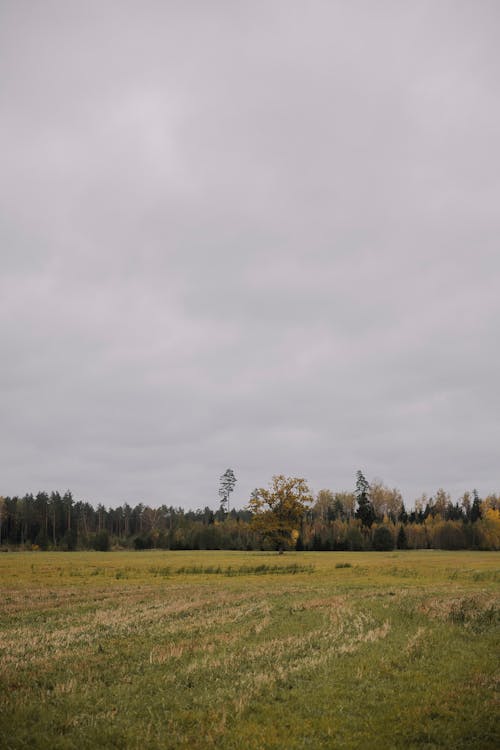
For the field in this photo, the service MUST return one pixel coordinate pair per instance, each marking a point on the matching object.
(249, 650)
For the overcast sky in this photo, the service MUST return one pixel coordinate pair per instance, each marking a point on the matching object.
(258, 235)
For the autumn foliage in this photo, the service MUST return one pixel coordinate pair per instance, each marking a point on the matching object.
(277, 512)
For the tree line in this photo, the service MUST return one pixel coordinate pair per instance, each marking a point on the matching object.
(283, 516)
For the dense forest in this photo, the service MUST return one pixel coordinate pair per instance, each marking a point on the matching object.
(372, 517)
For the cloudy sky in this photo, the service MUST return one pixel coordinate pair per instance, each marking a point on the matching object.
(262, 235)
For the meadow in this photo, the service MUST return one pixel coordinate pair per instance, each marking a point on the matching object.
(249, 650)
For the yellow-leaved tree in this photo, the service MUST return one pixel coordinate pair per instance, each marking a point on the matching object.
(279, 510)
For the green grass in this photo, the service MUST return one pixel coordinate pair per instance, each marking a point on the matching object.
(249, 650)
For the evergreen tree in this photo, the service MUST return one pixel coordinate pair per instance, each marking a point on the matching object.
(403, 515)
(382, 539)
(227, 482)
(364, 511)
(475, 512)
(402, 541)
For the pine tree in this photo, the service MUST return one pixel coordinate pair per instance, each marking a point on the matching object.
(227, 482)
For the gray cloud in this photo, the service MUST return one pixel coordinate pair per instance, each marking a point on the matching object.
(261, 235)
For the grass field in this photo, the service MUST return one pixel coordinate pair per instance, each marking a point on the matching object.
(249, 650)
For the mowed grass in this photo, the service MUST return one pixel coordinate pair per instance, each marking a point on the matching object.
(249, 650)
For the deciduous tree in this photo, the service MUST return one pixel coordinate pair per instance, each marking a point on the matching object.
(278, 511)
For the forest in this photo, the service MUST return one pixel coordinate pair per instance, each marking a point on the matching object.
(372, 517)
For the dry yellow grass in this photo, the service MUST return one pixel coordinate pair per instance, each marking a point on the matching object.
(103, 650)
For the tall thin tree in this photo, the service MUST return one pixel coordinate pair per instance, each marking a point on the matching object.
(227, 483)
(365, 510)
